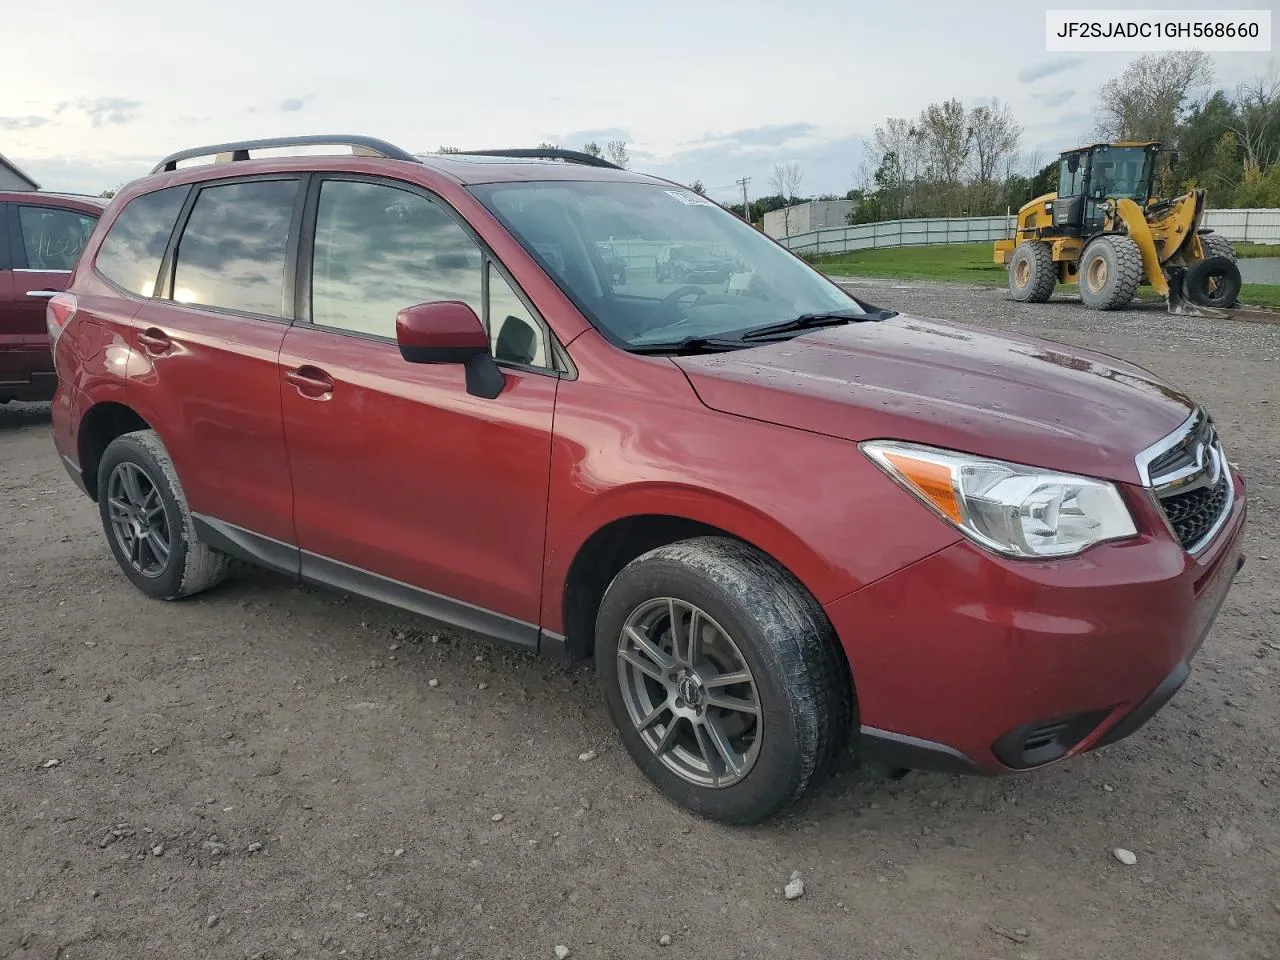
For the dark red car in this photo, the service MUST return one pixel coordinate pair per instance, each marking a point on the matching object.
(41, 236)
(775, 515)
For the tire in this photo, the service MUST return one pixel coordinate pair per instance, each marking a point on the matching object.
(1214, 282)
(798, 679)
(1110, 271)
(1032, 272)
(189, 566)
(1216, 245)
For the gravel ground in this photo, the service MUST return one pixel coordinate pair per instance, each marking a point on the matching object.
(274, 771)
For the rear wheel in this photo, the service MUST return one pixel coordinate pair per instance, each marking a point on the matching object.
(148, 523)
(1032, 273)
(1110, 271)
(724, 678)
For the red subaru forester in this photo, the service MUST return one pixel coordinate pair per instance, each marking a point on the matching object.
(775, 515)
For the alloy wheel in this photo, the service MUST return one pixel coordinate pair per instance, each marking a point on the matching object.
(138, 520)
(689, 692)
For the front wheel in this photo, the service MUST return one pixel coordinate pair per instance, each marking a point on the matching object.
(1032, 272)
(724, 678)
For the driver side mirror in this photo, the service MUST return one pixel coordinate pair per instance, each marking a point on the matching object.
(448, 331)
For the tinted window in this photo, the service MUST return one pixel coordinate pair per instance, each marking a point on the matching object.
(232, 250)
(53, 238)
(378, 250)
(134, 245)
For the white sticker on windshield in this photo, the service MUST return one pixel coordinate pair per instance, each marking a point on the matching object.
(690, 199)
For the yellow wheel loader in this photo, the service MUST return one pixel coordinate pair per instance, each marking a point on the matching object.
(1104, 231)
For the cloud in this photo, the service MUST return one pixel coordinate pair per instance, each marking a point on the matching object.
(1048, 68)
(1053, 98)
(22, 123)
(109, 110)
(292, 104)
(828, 165)
(575, 139)
(85, 174)
(770, 135)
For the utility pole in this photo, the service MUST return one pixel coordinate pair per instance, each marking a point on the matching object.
(746, 207)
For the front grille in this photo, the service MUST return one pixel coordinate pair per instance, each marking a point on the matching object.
(1189, 474)
(1193, 514)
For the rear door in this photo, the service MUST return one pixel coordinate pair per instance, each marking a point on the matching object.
(204, 370)
(43, 243)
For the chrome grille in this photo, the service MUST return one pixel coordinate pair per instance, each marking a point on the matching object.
(1189, 476)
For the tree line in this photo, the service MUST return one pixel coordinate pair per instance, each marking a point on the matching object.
(950, 161)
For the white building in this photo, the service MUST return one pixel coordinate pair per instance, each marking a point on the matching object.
(810, 215)
(11, 178)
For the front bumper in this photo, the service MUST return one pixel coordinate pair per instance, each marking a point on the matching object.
(966, 661)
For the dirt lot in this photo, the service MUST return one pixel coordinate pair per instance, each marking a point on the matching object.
(267, 771)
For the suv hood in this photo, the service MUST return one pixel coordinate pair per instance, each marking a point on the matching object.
(950, 385)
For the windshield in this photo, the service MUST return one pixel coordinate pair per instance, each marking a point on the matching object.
(1121, 172)
(692, 269)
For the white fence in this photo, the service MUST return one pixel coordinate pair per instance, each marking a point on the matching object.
(1258, 226)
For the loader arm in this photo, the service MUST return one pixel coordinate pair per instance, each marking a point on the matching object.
(1139, 232)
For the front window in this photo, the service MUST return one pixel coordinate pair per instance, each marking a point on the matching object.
(52, 238)
(1121, 172)
(686, 268)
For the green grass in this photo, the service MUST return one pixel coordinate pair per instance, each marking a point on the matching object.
(965, 262)
(1260, 295)
(972, 263)
(1245, 249)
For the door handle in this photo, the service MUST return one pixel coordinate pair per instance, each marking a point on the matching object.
(42, 294)
(155, 341)
(310, 382)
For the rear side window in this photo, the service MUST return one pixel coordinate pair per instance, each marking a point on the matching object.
(232, 251)
(134, 245)
(53, 238)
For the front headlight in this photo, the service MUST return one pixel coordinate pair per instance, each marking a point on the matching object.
(1012, 509)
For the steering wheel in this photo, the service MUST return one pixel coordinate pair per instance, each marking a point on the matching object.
(669, 302)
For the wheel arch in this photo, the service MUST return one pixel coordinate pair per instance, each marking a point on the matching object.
(633, 522)
(101, 424)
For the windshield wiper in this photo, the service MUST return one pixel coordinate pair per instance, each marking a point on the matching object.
(812, 321)
(689, 345)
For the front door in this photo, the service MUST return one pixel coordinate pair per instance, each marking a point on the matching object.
(406, 486)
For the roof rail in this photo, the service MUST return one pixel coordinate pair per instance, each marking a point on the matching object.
(239, 150)
(547, 153)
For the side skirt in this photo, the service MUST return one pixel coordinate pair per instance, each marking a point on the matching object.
(323, 571)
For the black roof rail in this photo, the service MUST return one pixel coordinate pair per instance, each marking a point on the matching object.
(546, 153)
(239, 150)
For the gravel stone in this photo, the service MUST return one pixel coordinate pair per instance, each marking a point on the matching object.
(587, 756)
(1127, 857)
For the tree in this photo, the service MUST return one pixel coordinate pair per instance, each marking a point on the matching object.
(547, 146)
(995, 135)
(616, 150)
(786, 180)
(899, 137)
(698, 188)
(1148, 100)
(108, 194)
(1257, 121)
(945, 141)
(592, 148)
(448, 150)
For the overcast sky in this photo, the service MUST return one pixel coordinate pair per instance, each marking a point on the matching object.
(708, 89)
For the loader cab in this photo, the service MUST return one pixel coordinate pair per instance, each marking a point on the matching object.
(1089, 176)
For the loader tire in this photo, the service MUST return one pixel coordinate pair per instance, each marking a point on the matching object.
(1032, 273)
(1215, 245)
(1214, 282)
(1110, 272)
